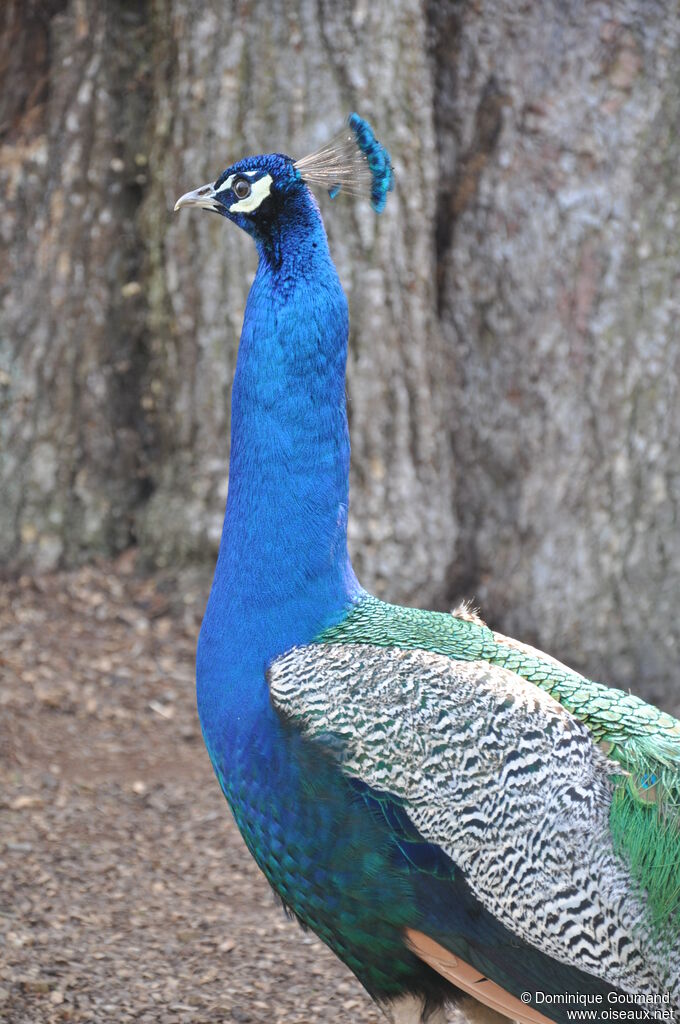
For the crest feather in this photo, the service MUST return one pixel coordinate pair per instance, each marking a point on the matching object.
(353, 162)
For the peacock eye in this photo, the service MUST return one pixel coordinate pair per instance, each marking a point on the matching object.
(241, 188)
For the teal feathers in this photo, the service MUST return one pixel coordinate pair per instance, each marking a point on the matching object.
(378, 160)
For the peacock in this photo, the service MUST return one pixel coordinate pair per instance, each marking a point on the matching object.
(461, 818)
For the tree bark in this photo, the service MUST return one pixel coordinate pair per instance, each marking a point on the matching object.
(559, 261)
(514, 357)
(73, 466)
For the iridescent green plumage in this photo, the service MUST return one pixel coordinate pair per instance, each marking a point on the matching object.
(643, 741)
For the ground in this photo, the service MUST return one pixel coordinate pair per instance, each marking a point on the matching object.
(126, 893)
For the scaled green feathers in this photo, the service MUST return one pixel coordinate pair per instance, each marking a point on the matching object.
(645, 742)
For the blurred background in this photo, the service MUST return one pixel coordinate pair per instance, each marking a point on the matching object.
(513, 378)
(512, 382)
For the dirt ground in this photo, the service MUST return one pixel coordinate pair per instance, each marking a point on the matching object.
(126, 893)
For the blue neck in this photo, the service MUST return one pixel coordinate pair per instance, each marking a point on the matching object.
(283, 571)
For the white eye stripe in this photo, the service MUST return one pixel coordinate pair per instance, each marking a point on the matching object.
(258, 194)
(225, 185)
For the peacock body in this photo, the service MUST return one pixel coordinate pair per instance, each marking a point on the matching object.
(451, 811)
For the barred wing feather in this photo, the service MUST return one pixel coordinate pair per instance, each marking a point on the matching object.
(500, 776)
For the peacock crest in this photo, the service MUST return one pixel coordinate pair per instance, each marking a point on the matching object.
(354, 161)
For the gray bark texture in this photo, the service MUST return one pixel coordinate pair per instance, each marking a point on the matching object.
(514, 350)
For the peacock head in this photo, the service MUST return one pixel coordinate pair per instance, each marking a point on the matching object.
(253, 192)
(258, 192)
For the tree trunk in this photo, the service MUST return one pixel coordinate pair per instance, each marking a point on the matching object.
(559, 260)
(74, 445)
(514, 357)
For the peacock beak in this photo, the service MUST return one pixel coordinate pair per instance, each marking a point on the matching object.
(203, 196)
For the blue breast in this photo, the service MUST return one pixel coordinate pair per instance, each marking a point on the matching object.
(334, 864)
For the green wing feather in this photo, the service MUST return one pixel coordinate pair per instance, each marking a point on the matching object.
(645, 742)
